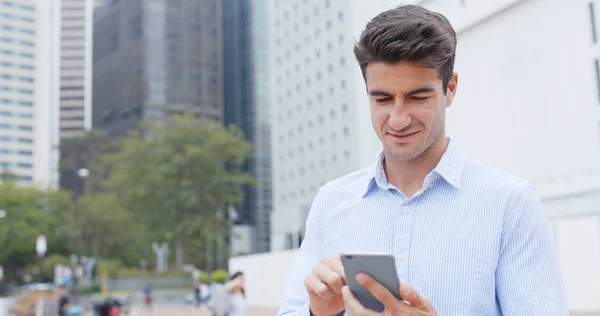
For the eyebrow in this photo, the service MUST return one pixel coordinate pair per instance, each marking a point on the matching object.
(378, 93)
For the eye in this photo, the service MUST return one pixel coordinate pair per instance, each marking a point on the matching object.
(383, 100)
(420, 98)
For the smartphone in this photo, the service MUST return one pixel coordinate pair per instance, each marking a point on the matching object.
(380, 266)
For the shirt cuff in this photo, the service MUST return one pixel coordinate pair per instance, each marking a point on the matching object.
(305, 310)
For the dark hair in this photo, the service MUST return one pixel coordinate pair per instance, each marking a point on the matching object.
(411, 33)
(237, 275)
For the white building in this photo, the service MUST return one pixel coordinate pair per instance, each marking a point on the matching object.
(76, 67)
(528, 103)
(29, 86)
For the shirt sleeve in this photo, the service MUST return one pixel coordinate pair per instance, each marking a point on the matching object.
(295, 302)
(528, 277)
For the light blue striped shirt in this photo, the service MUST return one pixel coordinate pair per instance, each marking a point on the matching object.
(473, 240)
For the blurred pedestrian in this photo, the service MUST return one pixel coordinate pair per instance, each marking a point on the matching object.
(198, 293)
(63, 301)
(237, 295)
(148, 296)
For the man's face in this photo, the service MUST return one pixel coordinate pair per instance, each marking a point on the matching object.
(408, 106)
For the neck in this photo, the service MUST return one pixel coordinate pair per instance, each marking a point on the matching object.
(408, 176)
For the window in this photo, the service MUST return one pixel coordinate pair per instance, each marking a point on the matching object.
(6, 52)
(343, 84)
(321, 119)
(25, 178)
(331, 90)
(25, 153)
(341, 16)
(8, 4)
(25, 103)
(5, 151)
(26, 67)
(25, 128)
(5, 126)
(7, 27)
(334, 158)
(7, 64)
(71, 78)
(73, 18)
(27, 19)
(6, 76)
(345, 107)
(5, 88)
(26, 55)
(71, 88)
(342, 62)
(28, 8)
(6, 40)
(333, 136)
(26, 91)
(5, 139)
(26, 79)
(346, 131)
(332, 114)
(72, 57)
(25, 165)
(6, 113)
(341, 38)
(27, 31)
(25, 115)
(347, 154)
(25, 140)
(6, 101)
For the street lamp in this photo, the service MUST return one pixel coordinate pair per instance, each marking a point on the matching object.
(82, 173)
(2, 213)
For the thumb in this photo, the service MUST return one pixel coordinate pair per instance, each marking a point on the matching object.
(409, 294)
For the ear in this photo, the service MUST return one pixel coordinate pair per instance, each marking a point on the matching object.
(452, 87)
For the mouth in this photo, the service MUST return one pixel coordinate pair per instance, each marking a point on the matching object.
(402, 138)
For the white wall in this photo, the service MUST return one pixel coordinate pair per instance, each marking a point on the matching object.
(266, 276)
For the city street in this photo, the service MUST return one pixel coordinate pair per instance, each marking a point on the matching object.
(185, 310)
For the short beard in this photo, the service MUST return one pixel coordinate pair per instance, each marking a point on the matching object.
(421, 149)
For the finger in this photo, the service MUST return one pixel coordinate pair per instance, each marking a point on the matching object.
(414, 298)
(352, 305)
(314, 286)
(330, 278)
(380, 292)
(335, 263)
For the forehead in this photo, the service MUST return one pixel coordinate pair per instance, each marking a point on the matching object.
(400, 77)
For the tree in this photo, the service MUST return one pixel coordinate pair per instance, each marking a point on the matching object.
(108, 229)
(179, 178)
(85, 152)
(29, 213)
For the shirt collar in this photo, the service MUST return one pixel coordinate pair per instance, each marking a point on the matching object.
(449, 168)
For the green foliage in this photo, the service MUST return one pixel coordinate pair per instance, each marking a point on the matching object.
(177, 178)
(51, 261)
(110, 267)
(29, 213)
(89, 289)
(204, 277)
(136, 273)
(219, 276)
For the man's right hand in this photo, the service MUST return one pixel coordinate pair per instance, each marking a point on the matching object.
(324, 285)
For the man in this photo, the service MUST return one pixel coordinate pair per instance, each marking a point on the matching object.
(468, 240)
(63, 301)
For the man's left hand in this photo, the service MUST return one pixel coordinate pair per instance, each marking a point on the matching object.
(414, 304)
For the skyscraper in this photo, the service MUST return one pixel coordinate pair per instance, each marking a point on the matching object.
(76, 67)
(155, 58)
(245, 57)
(29, 86)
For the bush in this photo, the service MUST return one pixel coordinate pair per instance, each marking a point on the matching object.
(51, 261)
(131, 273)
(204, 277)
(89, 289)
(110, 267)
(219, 276)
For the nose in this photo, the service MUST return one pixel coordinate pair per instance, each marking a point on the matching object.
(399, 118)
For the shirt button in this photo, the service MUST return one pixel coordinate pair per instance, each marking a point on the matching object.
(401, 256)
(406, 209)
